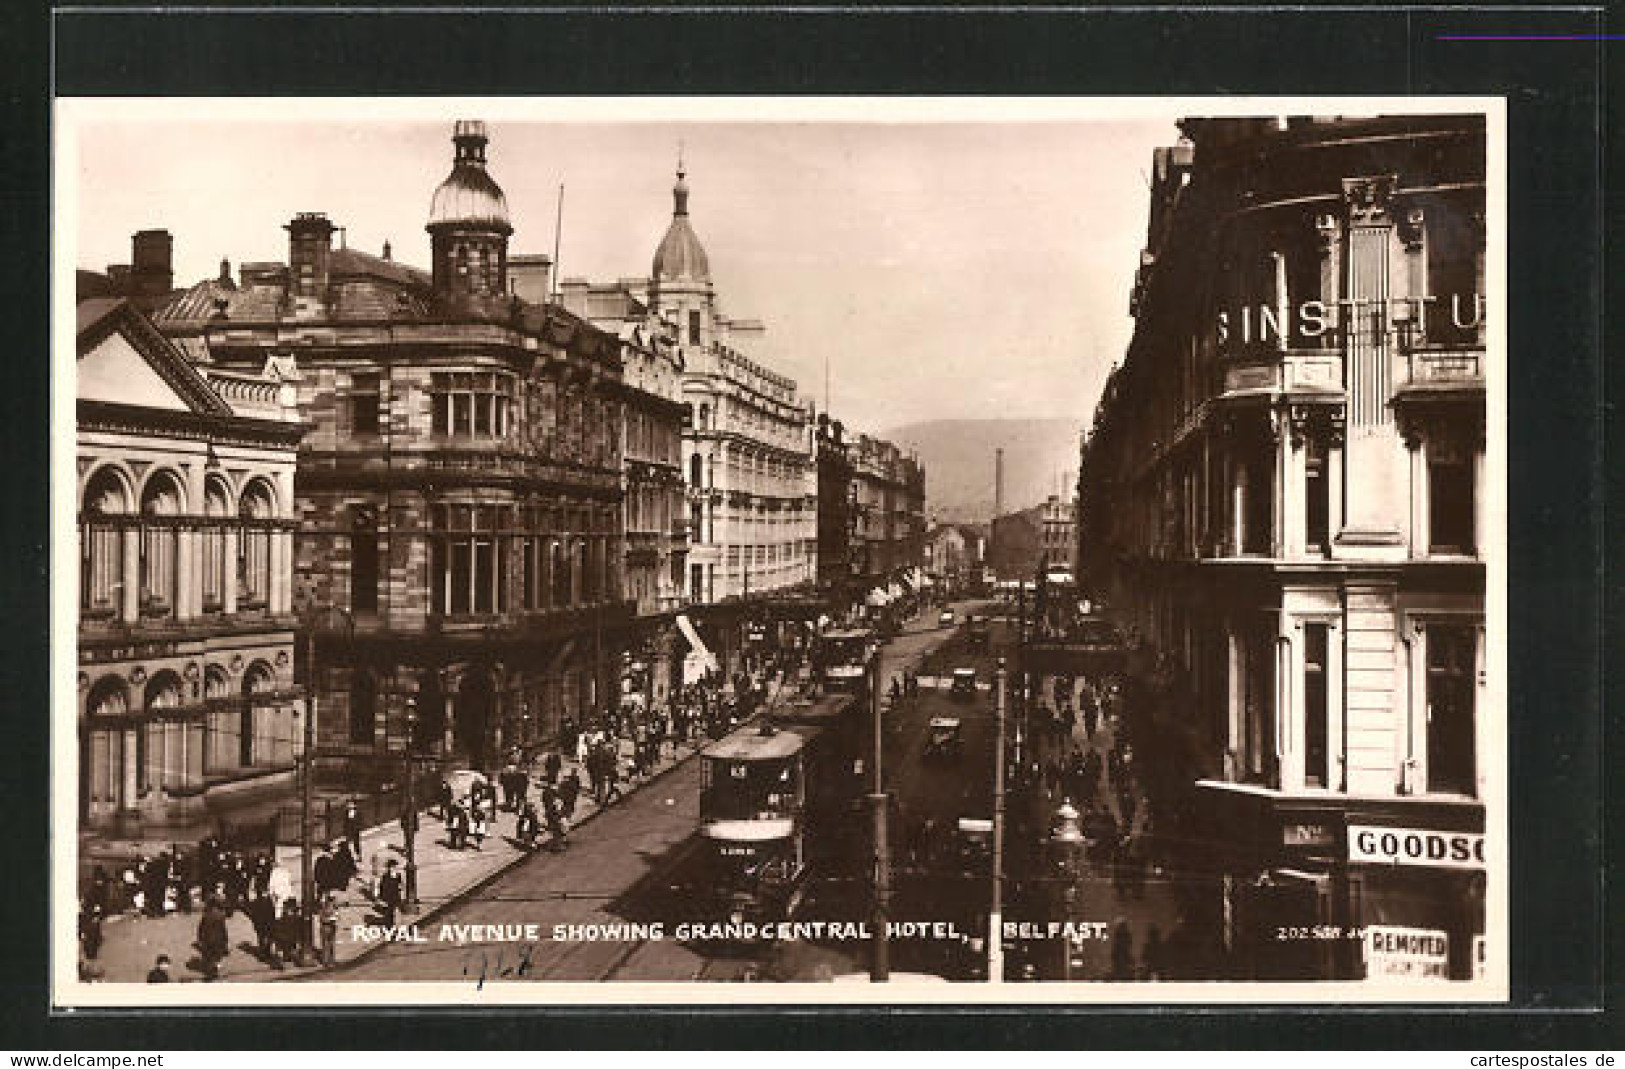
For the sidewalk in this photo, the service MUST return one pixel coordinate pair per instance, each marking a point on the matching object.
(131, 943)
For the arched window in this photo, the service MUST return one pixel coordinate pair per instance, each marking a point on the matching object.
(101, 561)
(254, 546)
(109, 697)
(258, 680)
(163, 692)
(363, 708)
(104, 759)
(217, 506)
(160, 504)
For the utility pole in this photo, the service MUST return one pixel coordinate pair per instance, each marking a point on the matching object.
(307, 800)
(409, 816)
(880, 968)
(995, 918)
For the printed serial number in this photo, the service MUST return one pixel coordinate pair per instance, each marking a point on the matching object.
(1318, 931)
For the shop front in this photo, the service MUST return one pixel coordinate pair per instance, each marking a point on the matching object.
(1322, 886)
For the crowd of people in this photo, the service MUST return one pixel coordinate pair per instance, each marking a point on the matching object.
(217, 879)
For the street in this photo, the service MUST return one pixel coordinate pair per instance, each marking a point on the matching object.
(615, 904)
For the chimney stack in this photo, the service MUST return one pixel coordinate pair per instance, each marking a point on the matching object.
(310, 244)
(151, 262)
(998, 483)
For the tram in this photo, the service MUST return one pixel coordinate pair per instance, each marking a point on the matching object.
(769, 794)
(843, 659)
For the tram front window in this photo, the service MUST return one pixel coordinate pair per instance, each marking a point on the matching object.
(748, 790)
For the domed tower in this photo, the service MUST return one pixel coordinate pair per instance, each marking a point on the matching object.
(680, 278)
(468, 222)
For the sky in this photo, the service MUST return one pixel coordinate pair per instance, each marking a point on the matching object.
(944, 270)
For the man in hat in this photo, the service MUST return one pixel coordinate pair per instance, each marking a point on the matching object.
(160, 971)
(390, 893)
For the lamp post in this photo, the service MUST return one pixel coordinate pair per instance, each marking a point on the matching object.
(880, 968)
(995, 919)
(409, 814)
(312, 618)
(1065, 841)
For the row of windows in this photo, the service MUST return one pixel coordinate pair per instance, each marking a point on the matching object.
(485, 405)
(1197, 512)
(1449, 682)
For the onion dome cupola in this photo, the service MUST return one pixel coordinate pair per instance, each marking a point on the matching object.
(680, 257)
(468, 221)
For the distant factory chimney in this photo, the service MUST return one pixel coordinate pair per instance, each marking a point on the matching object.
(998, 483)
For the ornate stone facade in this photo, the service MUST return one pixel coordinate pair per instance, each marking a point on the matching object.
(1283, 498)
(185, 497)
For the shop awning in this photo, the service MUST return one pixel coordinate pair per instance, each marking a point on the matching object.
(692, 637)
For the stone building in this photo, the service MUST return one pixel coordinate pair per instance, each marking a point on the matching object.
(1060, 534)
(185, 498)
(655, 505)
(839, 551)
(890, 506)
(749, 449)
(1283, 500)
(460, 554)
(1016, 545)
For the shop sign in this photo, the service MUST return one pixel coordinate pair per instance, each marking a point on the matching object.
(1394, 953)
(1294, 833)
(1377, 845)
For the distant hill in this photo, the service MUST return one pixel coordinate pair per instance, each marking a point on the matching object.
(958, 459)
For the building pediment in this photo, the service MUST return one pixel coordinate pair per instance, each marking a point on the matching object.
(123, 359)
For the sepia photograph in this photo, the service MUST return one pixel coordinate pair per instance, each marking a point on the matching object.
(779, 550)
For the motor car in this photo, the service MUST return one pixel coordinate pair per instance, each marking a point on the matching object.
(963, 683)
(976, 632)
(943, 737)
(946, 618)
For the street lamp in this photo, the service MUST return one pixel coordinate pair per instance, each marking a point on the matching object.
(1065, 842)
(311, 619)
(409, 814)
(995, 919)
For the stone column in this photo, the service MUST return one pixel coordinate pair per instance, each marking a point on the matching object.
(186, 587)
(1416, 447)
(1376, 505)
(130, 594)
(1288, 713)
(228, 582)
(1238, 503)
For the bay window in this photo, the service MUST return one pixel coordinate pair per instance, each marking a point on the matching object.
(467, 404)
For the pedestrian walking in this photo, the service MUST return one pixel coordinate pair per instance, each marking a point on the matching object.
(553, 810)
(352, 826)
(612, 777)
(262, 915)
(389, 893)
(213, 941)
(160, 971)
(90, 929)
(290, 930)
(322, 872)
(528, 828)
(329, 919)
(569, 792)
